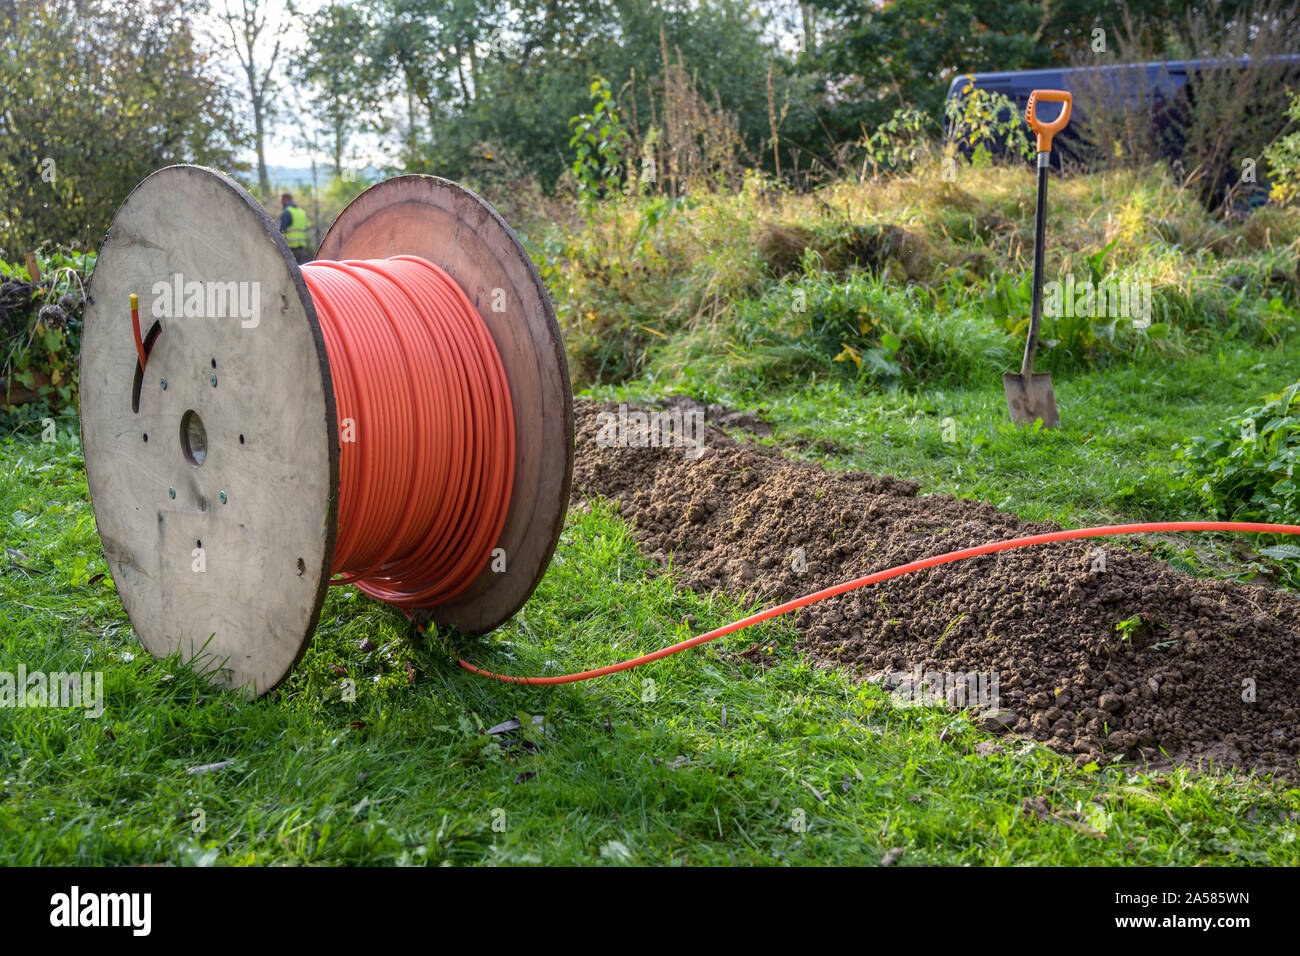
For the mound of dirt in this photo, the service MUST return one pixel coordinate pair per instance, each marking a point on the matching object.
(873, 247)
(1100, 652)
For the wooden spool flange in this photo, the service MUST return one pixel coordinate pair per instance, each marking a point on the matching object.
(222, 549)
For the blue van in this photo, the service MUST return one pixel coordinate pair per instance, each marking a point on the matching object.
(1159, 84)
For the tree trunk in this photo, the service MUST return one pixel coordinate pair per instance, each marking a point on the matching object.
(809, 27)
(410, 123)
(259, 131)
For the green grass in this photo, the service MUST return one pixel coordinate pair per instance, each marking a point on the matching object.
(623, 770)
(1112, 460)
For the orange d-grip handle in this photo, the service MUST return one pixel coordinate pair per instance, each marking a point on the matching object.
(1046, 131)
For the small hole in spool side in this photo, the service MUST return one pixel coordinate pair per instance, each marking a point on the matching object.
(214, 363)
(302, 567)
(241, 439)
(146, 436)
(198, 543)
(194, 438)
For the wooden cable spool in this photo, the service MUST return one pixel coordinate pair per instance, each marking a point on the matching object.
(223, 450)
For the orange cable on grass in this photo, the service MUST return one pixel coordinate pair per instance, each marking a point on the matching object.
(918, 565)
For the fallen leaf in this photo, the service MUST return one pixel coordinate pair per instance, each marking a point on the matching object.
(211, 767)
(814, 790)
(509, 725)
(1036, 807)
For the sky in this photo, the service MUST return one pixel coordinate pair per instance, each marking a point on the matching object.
(281, 146)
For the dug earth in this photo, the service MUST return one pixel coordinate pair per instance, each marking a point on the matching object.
(1101, 652)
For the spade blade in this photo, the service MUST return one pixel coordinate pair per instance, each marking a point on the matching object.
(1031, 400)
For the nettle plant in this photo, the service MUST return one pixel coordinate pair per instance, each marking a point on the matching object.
(896, 144)
(981, 121)
(40, 327)
(1248, 470)
(600, 141)
(1284, 160)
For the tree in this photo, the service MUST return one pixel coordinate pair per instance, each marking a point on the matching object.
(335, 65)
(875, 59)
(249, 33)
(431, 49)
(512, 74)
(95, 96)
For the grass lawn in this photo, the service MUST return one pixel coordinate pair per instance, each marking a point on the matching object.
(702, 758)
(1110, 459)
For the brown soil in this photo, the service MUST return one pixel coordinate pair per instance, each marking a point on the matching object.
(1042, 618)
(874, 247)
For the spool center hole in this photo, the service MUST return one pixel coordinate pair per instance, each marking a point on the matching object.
(194, 439)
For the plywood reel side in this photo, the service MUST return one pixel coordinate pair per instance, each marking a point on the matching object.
(218, 535)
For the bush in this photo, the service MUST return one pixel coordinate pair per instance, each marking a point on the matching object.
(896, 145)
(1247, 471)
(600, 140)
(1284, 160)
(859, 327)
(40, 329)
(982, 123)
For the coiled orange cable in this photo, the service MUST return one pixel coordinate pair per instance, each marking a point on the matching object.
(427, 432)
